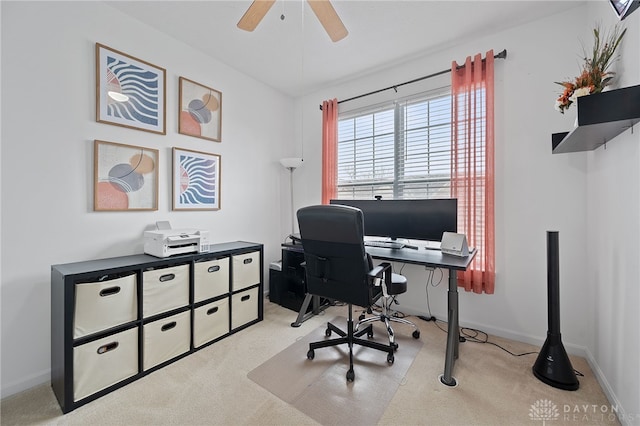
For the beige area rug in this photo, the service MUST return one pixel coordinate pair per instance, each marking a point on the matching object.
(318, 387)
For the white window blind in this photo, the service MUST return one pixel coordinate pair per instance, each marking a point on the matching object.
(400, 150)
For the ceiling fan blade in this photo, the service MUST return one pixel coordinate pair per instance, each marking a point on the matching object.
(329, 19)
(254, 14)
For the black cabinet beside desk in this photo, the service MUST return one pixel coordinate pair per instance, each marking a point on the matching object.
(287, 288)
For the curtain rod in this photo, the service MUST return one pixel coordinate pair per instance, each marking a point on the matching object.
(500, 55)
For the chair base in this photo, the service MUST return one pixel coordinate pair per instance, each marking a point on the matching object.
(351, 337)
(386, 318)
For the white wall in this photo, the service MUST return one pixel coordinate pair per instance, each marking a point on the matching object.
(536, 192)
(48, 117)
(613, 224)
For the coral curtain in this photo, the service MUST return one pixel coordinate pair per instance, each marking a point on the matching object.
(472, 166)
(329, 149)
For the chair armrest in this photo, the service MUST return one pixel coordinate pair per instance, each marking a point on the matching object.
(378, 270)
(383, 269)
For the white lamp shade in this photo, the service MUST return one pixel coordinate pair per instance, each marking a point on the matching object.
(291, 163)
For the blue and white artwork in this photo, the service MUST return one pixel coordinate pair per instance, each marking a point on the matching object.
(131, 92)
(196, 180)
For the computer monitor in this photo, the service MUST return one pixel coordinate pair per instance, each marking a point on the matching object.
(422, 219)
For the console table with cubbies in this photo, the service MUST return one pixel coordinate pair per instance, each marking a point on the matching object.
(115, 320)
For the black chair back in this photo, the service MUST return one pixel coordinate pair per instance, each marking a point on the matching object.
(336, 261)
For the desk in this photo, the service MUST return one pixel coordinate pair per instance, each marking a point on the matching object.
(435, 259)
(428, 258)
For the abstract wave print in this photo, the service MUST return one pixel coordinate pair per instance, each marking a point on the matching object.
(142, 88)
(199, 177)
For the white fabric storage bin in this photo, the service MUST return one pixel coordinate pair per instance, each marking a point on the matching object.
(103, 304)
(166, 339)
(210, 322)
(244, 307)
(211, 279)
(104, 362)
(165, 289)
(246, 270)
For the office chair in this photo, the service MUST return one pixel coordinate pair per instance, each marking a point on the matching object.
(337, 267)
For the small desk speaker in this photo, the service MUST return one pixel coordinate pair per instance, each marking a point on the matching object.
(454, 244)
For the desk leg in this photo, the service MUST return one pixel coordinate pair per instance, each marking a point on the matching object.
(303, 315)
(453, 337)
(303, 310)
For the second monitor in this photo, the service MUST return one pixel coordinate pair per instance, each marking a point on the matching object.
(421, 219)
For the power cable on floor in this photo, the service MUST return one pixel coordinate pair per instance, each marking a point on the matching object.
(466, 334)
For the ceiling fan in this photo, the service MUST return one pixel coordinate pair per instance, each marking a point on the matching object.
(323, 10)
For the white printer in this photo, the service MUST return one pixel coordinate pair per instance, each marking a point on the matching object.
(165, 242)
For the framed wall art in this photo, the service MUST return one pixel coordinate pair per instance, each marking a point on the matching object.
(200, 111)
(129, 92)
(125, 177)
(196, 180)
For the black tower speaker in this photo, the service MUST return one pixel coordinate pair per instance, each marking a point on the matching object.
(553, 366)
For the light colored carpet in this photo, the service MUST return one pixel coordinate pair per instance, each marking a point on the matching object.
(211, 387)
(319, 387)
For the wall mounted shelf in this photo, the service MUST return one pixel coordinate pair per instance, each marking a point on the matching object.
(601, 117)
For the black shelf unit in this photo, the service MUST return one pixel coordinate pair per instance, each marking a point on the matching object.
(601, 117)
(65, 278)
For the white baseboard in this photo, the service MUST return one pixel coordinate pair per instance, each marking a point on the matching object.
(608, 391)
(25, 384)
(507, 334)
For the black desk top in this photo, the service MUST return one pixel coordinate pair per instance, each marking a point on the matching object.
(421, 256)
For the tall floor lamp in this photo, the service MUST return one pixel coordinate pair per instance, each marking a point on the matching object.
(291, 164)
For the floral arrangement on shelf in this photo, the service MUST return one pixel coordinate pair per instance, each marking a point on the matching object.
(596, 73)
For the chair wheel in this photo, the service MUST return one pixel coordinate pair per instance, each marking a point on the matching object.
(394, 345)
(311, 354)
(351, 376)
(370, 334)
(416, 334)
(390, 359)
(327, 332)
(361, 317)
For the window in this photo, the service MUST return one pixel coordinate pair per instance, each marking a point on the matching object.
(399, 150)
(437, 145)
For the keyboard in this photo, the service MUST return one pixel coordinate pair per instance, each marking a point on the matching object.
(384, 244)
